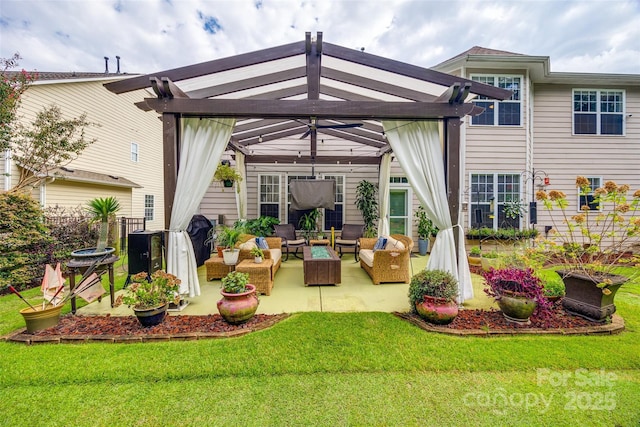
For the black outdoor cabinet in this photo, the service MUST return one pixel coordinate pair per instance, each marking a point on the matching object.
(145, 251)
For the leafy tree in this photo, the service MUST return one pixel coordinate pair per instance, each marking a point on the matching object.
(48, 143)
(12, 86)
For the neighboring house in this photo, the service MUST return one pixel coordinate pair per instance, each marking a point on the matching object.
(557, 125)
(124, 162)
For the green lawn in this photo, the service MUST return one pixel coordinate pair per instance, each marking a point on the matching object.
(322, 369)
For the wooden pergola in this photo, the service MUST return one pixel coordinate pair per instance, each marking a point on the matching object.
(292, 100)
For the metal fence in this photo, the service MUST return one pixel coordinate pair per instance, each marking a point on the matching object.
(129, 225)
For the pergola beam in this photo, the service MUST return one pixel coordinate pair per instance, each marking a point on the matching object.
(306, 108)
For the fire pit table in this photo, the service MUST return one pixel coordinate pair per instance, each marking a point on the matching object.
(321, 266)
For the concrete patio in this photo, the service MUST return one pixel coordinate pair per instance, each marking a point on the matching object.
(289, 295)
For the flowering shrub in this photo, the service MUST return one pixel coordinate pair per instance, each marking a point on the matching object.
(519, 282)
(595, 242)
(161, 289)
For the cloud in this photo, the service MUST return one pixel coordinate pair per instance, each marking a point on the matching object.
(153, 35)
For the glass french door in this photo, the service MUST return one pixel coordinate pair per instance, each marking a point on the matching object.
(399, 211)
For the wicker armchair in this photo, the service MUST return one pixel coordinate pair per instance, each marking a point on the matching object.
(391, 264)
(274, 252)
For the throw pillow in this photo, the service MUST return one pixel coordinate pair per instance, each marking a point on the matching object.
(262, 243)
(380, 244)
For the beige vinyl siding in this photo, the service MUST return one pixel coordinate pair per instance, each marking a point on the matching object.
(69, 194)
(564, 156)
(121, 123)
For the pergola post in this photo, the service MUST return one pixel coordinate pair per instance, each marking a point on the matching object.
(171, 156)
(452, 171)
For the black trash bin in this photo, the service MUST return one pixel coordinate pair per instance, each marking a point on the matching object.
(198, 230)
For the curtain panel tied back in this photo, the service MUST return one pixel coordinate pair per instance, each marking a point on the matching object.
(203, 142)
(417, 146)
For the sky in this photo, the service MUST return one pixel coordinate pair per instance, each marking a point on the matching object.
(591, 36)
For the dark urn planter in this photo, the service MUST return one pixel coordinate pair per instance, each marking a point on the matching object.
(151, 316)
(516, 308)
(585, 299)
(437, 310)
(238, 308)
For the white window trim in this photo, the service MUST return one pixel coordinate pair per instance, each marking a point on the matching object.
(344, 197)
(410, 211)
(497, 102)
(153, 208)
(136, 152)
(279, 193)
(593, 189)
(598, 113)
(471, 205)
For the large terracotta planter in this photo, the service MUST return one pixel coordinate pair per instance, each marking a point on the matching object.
(516, 308)
(238, 308)
(151, 316)
(437, 310)
(40, 318)
(583, 298)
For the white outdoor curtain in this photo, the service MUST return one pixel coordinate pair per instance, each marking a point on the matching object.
(383, 194)
(241, 187)
(203, 142)
(417, 147)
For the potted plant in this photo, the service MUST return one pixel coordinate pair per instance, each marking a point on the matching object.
(432, 294)
(367, 204)
(228, 238)
(592, 245)
(426, 230)
(102, 210)
(226, 174)
(320, 235)
(309, 223)
(490, 259)
(475, 256)
(239, 300)
(150, 296)
(258, 254)
(518, 292)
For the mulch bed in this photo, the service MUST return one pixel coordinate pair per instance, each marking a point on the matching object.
(492, 322)
(128, 329)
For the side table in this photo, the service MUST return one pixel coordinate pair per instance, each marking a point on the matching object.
(320, 242)
(216, 268)
(78, 265)
(260, 275)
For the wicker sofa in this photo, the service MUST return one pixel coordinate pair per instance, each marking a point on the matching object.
(391, 264)
(274, 252)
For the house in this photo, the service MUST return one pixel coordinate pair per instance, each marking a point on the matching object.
(556, 126)
(124, 162)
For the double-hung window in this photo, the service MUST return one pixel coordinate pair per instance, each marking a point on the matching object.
(335, 218)
(149, 207)
(499, 113)
(489, 193)
(134, 152)
(598, 112)
(269, 195)
(587, 199)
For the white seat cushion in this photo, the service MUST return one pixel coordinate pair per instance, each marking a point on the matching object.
(295, 242)
(366, 256)
(276, 254)
(346, 242)
(394, 244)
